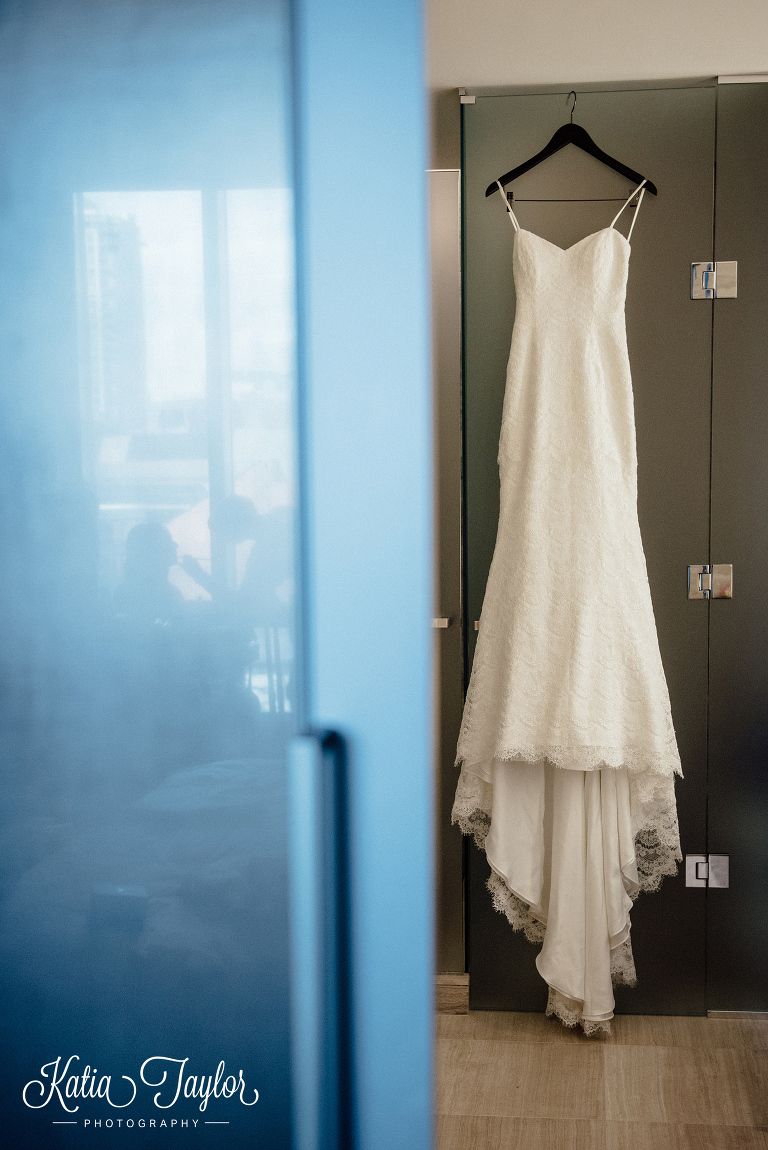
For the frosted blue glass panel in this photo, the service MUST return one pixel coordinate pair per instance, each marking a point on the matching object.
(149, 668)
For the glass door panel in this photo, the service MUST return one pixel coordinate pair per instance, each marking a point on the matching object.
(148, 658)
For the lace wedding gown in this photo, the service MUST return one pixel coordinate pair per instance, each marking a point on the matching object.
(567, 748)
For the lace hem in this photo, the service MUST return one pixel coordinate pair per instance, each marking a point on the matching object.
(472, 807)
(517, 913)
(590, 758)
(567, 1011)
(654, 822)
(623, 971)
(657, 853)
(654, 828)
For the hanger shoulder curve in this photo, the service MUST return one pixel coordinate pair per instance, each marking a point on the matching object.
(571, 134)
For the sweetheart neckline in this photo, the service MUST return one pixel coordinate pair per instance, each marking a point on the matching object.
(583, 239)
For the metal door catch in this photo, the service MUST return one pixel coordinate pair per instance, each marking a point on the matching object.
(710, 581)
(714, 280)
(707, 870)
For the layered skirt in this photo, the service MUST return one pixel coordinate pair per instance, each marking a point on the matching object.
(569, 851)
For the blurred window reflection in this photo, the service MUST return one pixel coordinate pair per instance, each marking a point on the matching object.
(186, 349)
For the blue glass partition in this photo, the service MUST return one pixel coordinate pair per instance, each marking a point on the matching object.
(149, 667)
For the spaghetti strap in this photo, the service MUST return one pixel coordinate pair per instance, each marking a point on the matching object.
(512, 215)
(641, 189)
(637, 209)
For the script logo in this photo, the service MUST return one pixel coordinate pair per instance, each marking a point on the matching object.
(56, 1082)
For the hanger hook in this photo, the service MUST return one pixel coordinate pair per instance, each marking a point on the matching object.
(573, 108)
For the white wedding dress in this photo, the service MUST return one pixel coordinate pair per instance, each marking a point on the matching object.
(567, 748)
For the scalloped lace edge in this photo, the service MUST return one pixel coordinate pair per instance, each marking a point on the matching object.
(589, 758)
(623, 971)
(567, 1011)
(517, 913)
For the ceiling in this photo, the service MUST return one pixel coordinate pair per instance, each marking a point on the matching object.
(488, 43)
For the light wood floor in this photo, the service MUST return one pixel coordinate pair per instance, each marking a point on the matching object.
(524, 1082)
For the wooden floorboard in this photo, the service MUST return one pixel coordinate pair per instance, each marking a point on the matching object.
(680, 1136)
(458, 1132)
(528, 1080)
(510, 1081)
(676, 1084)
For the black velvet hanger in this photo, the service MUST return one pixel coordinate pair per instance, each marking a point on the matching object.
(571, 134)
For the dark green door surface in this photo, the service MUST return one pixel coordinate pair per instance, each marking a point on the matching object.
(737, 920)
(669, 135)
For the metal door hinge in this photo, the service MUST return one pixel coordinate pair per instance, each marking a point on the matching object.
(439, 624)
(464, 98)
(714, 280)
(707, 870)
(710, 581)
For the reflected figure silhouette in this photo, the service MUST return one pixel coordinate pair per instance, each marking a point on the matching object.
(267, 583)
(145, 592)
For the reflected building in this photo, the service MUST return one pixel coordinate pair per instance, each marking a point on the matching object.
(114, 292)
(144, 425)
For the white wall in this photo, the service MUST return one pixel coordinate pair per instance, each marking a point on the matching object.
(476, 43)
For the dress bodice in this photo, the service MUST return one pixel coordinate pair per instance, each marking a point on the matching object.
(569, 381)
(563, 283)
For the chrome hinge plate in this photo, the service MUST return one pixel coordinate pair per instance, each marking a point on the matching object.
(707, 870)
(710, 581)
(710, 280)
